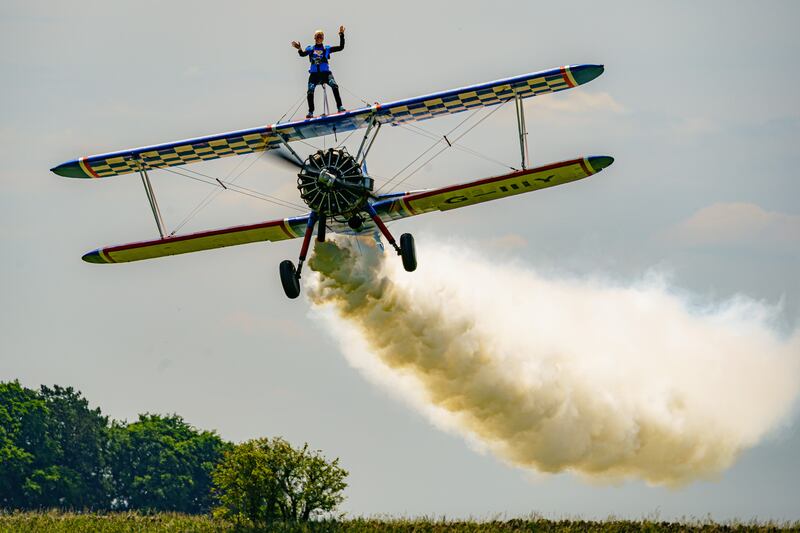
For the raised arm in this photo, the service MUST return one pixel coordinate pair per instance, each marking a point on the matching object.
(341, 41)
(300, 51)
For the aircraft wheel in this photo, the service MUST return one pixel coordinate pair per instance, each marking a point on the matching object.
(289, 280)
(408, 252)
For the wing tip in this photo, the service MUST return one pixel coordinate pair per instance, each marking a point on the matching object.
(586, 73)
(599, 162)
(70, 169)
(94, 257)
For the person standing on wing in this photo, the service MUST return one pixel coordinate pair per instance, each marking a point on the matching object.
(320, 71)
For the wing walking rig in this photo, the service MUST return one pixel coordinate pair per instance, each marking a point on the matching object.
(334, 184)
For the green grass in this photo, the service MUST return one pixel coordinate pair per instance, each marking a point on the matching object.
(173, 522)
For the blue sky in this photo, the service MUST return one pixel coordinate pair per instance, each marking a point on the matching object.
(698, 105)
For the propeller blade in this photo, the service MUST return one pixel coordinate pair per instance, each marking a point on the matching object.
(284, 156)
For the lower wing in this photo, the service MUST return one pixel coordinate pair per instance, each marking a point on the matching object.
(389, 207)
(475, 192)
(274, 230)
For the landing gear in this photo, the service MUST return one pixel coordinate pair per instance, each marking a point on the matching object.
(289, 279)
(405, 250)
(408, 252)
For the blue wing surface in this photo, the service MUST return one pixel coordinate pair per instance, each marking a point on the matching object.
(268, 137)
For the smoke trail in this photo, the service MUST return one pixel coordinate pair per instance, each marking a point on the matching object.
(605, 381)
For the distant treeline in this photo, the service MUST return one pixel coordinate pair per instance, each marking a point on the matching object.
(57, 453)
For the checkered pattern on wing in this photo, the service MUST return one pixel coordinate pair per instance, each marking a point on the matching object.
(485, 96)
(182, 154)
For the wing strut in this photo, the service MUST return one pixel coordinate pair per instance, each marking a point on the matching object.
(371, 125)
(523, 132)
(151, 197)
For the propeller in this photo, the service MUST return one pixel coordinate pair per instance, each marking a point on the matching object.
(285, 157)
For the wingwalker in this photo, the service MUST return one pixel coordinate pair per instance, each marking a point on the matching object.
(336, 185)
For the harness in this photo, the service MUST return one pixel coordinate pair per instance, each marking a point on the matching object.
(319, 58)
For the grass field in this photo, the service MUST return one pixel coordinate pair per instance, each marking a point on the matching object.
(172, 522)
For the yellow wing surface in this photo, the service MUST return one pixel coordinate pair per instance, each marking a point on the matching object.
(389, 207)
(475, 192)
(274, 230)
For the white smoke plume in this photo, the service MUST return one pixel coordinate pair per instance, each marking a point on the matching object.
(606, 381)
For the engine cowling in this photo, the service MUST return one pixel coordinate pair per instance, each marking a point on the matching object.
(332, 183)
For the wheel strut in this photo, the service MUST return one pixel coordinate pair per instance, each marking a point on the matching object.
(381, 226)
(312, 219)
(406, 250)
(290, 276)
(322, 227)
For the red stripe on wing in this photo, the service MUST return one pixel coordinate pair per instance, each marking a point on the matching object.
(566, 77)
(425, 194)
(198, 235)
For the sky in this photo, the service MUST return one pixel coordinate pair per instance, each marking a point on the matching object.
(698, 105)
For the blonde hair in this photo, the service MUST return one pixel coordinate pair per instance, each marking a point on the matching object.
(319, 32)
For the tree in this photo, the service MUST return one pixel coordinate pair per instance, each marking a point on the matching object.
(264, 480)
(79, 477)
(24, 445)
(161, 463)
(51, 449)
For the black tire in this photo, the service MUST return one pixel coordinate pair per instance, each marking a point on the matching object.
(408, 252)
(291, 285)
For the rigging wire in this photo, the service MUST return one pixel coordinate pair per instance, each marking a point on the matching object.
(466, 149)
(425, 133)
(224, 185)
(232, 185)
(296, 106)
(354, 95)
(205, 202)
(244, 191)
(493, 111)
(431, 147)
(211, 196)
(346, 138)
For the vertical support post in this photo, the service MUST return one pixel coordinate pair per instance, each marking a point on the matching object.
(364, 140)
(371, 141)
(523, 132)
(151, 198)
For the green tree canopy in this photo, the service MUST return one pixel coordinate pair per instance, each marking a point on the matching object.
(51, 449)
(81, 479)
(264, 480)
(24, 444)
(162, 463)
(56, 452)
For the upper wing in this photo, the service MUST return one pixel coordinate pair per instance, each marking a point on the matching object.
(274, 230)
(267, 137)
(532, 179)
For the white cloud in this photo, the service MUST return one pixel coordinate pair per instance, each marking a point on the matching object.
(580, 102)
(738, 224)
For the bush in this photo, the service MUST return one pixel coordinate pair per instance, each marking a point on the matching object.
(262, 481)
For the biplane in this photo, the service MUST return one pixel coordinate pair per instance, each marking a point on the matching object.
(336, 185)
